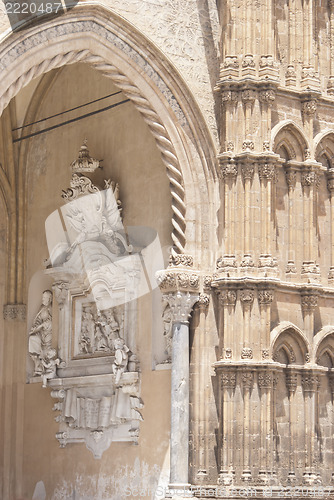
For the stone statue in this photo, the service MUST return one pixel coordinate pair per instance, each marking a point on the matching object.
(121, 358)
(49, 362)
(40, 336)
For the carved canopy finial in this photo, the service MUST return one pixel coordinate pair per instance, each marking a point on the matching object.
(84, 162)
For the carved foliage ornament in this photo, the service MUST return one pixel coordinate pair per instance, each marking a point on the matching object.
(173, 280)
(247, 171)
(228, 297)
(247, 297)
(309, 107)
(246, 353)
(267, 96)
(266, 171)
(265, 380)
(309, 302)
(228, 380)
(266, 297)
(181, 305)
(229, 170)
(310, 382)
(181, 260)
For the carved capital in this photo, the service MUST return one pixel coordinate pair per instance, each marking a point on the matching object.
(181, 305)
(246, 353)
(228, 297)
(248, 96)
(247, 380)
(290, 176)
(173, 280)
(228, 380)
(204, 300)
(229, 97)
(308, 178)
(265, 379)
(231, 62)
(309, 302)
(266, 297)
(229, 171)
(247, 297)
(266, 171)
(267, 96)
(14, 312)
(291, 381)
(310, 382)
(181, 260)
(330, 180)
(60, 290)
(247, 171)
(309, 108)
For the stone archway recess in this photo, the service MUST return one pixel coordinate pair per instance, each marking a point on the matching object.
(95, 36)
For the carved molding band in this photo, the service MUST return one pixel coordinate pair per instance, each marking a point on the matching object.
(12, 312)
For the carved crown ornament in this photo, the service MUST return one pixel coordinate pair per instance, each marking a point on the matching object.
(87, 354)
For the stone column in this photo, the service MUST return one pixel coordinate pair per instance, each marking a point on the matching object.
(330, 85)
(309, 77)
(248, 98)
(309, 302)
(229, 102)
(12, 403)
(247, 382)
(265, 381)
(265, 298)
(310, 383)
(330, 185)
(181, 304)
(229, 174)
(227, 299)
(247, 171)
(310, 270)
(266, 175)
(226, 474)
(291, 384)
(290, 76)
(309, 108)
(247, 298)
(291, 182)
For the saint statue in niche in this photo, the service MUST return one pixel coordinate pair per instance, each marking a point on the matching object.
(40, 335)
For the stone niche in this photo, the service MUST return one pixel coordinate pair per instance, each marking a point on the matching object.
(89, 360)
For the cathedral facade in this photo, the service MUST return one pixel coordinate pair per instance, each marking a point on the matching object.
(167, 249)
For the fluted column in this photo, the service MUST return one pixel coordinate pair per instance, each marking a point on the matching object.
(330, 185)
(248, 98)
(290, 76)
(247, 382)
(227, 299)
(309, 77)
(229, 102)
(291, 384)
(181, 304)
(291, 182)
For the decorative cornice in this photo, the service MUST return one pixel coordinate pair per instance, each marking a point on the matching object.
(14, 312)
(181, 305)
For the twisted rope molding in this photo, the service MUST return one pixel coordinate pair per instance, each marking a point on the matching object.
(152, 119)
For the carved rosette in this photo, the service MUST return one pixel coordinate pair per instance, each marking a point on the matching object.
(266, 172)
(291, 381)
(228, 297)
(181, 260)
(14, 312)
(309, 302)
(246, 353)
(265, 380)
(228, 380)
(265, 297)
(310, 382)
(181, 305)
(247, 298)
(265, 354)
